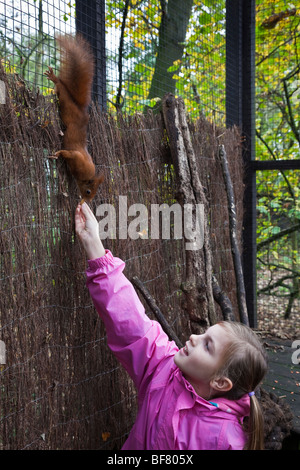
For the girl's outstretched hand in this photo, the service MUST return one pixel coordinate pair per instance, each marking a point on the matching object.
(87, 229)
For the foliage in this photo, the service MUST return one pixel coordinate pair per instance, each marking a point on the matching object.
(199, 74)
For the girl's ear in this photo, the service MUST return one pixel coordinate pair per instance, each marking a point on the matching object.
(221, 384)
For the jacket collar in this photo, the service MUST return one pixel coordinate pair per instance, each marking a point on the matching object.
(240, 408)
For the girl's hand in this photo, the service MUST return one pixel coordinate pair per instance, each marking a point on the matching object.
(87, 229)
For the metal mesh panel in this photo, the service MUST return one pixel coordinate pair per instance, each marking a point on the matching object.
(159, 47)
(278, 139)
(27, 32)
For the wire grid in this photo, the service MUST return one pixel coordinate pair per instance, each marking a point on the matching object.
(27, 32)
(140, 55)
(277, 79)
(61, 388)
(278, 138)
(278, 260)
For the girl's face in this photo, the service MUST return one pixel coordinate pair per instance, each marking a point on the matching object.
(200, 358)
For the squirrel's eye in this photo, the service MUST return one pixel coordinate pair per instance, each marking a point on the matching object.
(88, 191)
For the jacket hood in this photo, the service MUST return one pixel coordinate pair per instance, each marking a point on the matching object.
(240, 408)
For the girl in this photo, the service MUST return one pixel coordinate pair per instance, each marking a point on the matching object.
(199, 397)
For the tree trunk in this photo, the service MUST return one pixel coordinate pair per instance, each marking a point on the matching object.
(197, 284)
(172, 32)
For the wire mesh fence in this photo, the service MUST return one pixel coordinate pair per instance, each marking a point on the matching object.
(278, 253)
(277, 80)
(277, 139)
(60, 387)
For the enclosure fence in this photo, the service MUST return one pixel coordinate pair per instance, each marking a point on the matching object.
(60, 386)
(277, 162)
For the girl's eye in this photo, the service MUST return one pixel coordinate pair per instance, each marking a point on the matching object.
(207, 346)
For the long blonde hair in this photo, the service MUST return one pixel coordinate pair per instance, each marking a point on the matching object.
(244, 362)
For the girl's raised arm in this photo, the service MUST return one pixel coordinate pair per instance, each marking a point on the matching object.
(139, 343)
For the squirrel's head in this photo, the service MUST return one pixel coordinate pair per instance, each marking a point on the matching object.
(89, 188)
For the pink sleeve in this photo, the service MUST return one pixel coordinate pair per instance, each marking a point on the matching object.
(138, 342)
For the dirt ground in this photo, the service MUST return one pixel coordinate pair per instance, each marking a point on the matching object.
(271, 321)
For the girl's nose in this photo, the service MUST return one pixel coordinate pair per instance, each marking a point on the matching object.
(194, 339)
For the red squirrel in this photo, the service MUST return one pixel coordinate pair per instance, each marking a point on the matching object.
(73, 89)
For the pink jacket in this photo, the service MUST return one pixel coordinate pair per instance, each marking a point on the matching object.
(171, 415)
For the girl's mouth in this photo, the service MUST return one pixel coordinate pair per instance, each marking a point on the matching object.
(185, 350)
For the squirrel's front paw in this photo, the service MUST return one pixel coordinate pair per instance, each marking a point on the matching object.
(50, 74)
(56, 155)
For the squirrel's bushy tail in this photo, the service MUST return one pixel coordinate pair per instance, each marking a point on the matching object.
(77, 67)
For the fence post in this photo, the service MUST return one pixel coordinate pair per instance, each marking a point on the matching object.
(90, 22)
(240, 110)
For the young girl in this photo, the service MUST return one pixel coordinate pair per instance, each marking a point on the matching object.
(199, 397)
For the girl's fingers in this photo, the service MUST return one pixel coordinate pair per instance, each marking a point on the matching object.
(79, 219)
(87, 211)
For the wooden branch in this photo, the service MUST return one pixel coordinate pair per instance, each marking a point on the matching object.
(278, 283)
(283, 44)
(291, 122)
(271, 21)
(118, 104)
(237, 262)
(223, 301)
(293, 296)
(158, 314)
(278, 266)
(278, 235)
